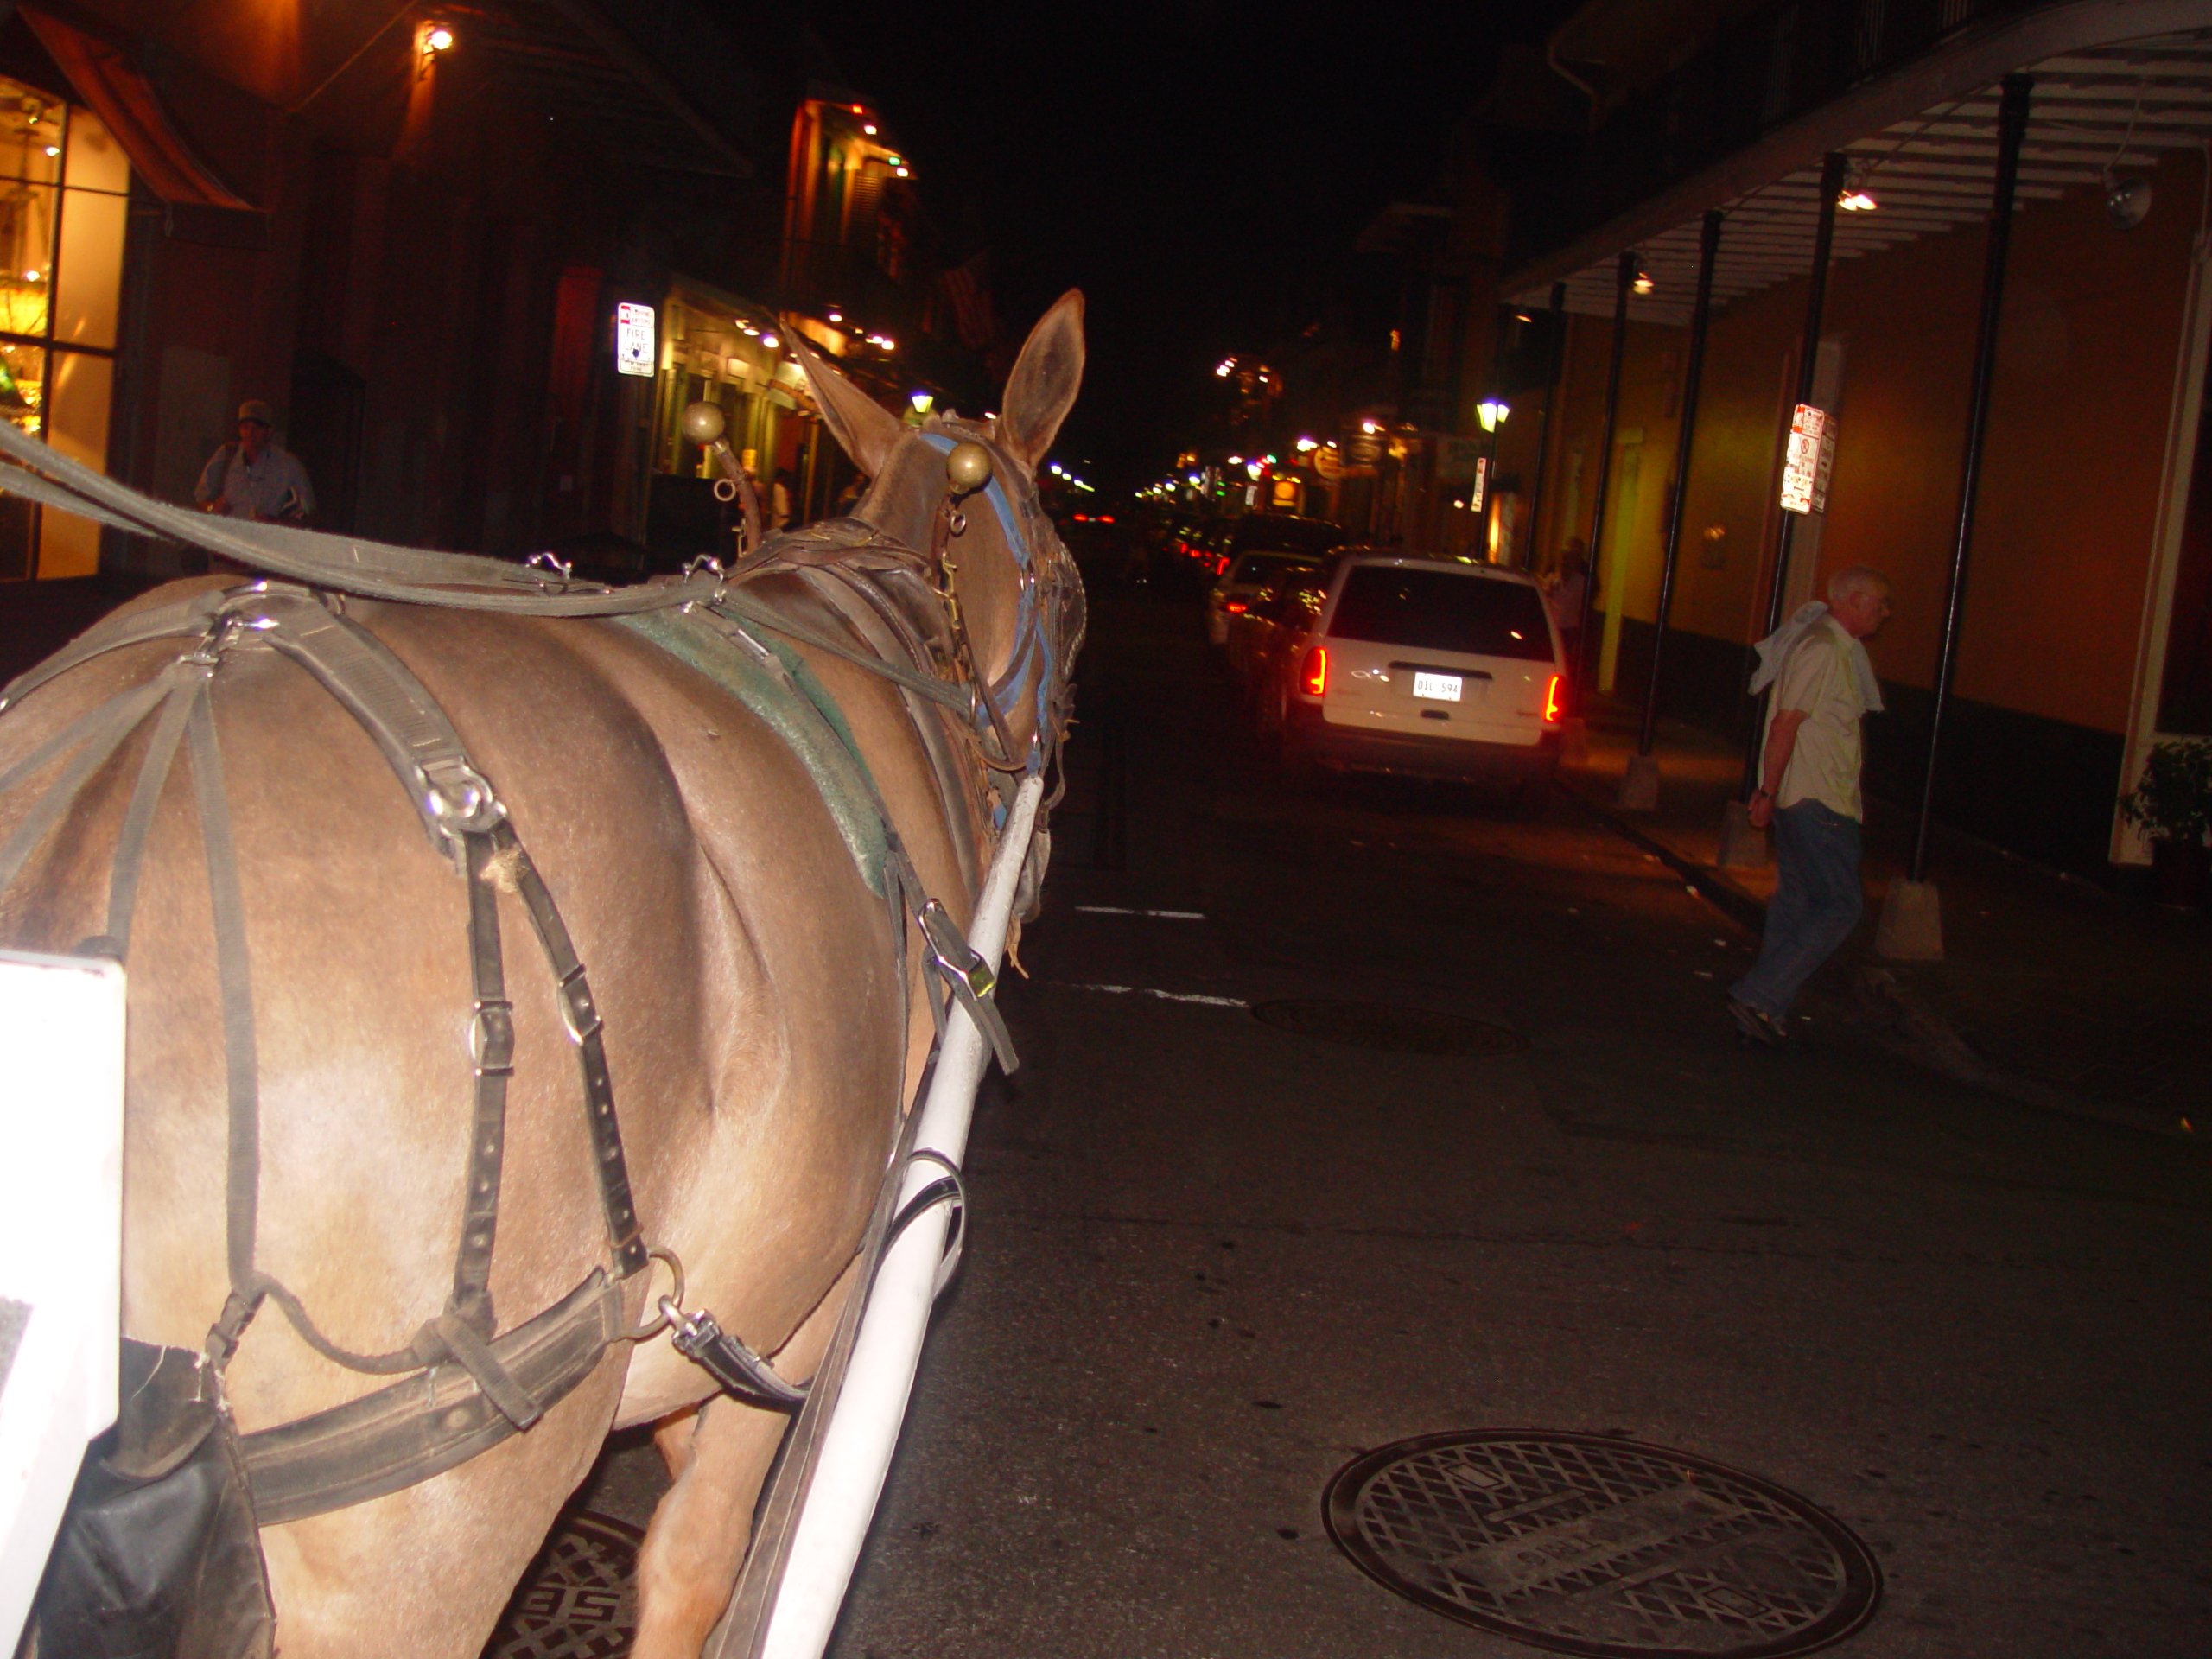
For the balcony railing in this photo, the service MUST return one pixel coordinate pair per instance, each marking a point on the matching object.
(1763, 67)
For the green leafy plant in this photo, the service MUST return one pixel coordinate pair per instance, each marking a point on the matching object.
(2173, 802)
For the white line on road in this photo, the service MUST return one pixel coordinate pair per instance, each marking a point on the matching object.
(1166, 996)
(1161, 915)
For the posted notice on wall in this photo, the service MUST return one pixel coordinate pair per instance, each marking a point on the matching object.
(1809, 460)
(633, 338)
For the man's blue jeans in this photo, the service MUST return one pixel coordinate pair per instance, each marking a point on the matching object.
(1817, 900)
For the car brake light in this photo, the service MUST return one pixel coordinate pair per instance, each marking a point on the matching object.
(1235, 607)
(1313, 675)
(1221, 567)
(1551, 701)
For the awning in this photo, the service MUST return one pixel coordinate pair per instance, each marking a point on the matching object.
(101, 74)
(2096, 111)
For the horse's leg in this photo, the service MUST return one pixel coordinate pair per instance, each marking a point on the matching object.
(719, 1454)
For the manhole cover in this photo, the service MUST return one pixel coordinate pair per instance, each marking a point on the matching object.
(578, 1600)
(1586, 1545)
(1382, 1025)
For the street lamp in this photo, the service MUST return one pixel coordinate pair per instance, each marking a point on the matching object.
(1492, 414)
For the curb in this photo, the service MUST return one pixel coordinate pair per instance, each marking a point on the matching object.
(1891, 1019)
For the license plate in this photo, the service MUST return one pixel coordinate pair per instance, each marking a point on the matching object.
(1440, 688)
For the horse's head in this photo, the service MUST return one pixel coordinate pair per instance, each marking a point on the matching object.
(1016, 587)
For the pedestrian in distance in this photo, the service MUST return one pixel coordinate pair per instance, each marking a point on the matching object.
(1566, 591)
(255, 477)
(1823, 686)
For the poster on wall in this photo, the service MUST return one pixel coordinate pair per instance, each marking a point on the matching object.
(1809, 460)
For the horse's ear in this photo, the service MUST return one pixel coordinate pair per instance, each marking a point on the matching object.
(1043, 385)
(867, 431)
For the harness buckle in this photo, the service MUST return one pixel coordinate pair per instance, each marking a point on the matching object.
(561, 568)
(969, 977)
(456, 795)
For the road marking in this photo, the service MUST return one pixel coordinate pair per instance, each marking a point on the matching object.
(1160, 915)
(1166, 996)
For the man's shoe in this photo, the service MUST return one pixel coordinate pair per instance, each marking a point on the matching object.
(1757, 1024)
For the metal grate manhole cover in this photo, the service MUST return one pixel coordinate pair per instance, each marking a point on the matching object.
(1384, 1024)
(1587, 1545)
(578, 1600)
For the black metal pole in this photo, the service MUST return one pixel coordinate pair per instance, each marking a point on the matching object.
(2011, 128)
(1808, 362)
(1693, 375)
(1623, 277)
(1548, 420)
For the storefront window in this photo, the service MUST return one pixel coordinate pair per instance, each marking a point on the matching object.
(64, 204)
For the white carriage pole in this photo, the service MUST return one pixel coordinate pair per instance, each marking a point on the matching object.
(864, 1432)
(61, 1247)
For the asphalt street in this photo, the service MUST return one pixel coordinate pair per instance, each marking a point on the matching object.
(1211, 1259)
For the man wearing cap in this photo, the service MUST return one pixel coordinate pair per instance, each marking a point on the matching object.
(256, 478)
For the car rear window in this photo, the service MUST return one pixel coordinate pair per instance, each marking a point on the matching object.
(1265, 567)
(1442, 610)
(1290, 535)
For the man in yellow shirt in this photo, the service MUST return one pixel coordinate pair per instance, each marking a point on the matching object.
(1808, 791)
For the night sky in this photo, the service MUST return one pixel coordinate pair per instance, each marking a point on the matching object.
(1198, 169)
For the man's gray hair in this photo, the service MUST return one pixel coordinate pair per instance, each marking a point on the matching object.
(1854, 579)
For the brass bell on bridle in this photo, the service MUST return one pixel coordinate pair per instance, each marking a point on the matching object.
(968, 467)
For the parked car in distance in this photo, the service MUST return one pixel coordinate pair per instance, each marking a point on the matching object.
(1232, 592)
(1269, 532)
(1433, 668)
(1280, 609)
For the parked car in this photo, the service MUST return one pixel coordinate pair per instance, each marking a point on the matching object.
(1282, 608)
(1269, 532)
(1434, 668)
(1233, 591)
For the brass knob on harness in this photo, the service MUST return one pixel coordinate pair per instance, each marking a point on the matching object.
(704, 423)
(968, 467)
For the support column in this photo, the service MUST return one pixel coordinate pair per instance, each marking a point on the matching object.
(1740, 844)
(1640, 784)
(1911, 927)
(1623, 275)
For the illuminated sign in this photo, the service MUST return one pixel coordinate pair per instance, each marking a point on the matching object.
(1809, 459)
(633, 338)
(1478, 495)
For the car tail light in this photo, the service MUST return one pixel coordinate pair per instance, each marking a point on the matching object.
(1234, 606)
(1551, 701)
(1221, 567)
(1313, 673)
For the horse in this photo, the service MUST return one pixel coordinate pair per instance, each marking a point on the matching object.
(761, 1011)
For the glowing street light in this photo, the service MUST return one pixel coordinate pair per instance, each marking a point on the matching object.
(1492, 413)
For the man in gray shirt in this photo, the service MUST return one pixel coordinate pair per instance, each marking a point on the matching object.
(256, 478)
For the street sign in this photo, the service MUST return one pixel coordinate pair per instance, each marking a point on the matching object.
(1328, 463)
(1809, 460)
(1480, 493)
(633, 338)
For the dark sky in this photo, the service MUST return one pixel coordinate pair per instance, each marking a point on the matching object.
(1198, 169)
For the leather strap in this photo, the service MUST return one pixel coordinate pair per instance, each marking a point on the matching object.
(409, 1431)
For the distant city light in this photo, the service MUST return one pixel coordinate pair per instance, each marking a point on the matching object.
(770, 341)
(1369, 427)
(1306, 445)
(438, 39)
(869, 129)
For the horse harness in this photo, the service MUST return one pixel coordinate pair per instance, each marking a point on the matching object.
(468, 1388)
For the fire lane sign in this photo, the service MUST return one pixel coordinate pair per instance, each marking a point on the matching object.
(633, 338)
(1809, 460)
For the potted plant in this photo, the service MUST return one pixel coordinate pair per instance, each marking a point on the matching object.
(2172, 806)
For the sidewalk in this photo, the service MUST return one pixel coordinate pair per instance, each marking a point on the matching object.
(2052, 991)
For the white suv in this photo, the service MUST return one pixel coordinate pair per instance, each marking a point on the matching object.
(1436, 668)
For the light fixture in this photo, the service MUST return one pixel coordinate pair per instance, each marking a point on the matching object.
(1642, 284)
(1307, 446)
(1369, 427)
(896, 160)
(1223, 369)
(438, 38)
(835, 315)
(2126, 200)
(869, 128)
(921, 401)
(1856, 201)
(1492, 413)
(53, 149)
(435, 38)
(770, 341)
(902, 173)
